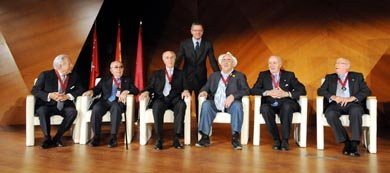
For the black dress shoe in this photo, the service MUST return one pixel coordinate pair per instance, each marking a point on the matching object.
(58, 143)
(203, 142)
(94, 142)
(347, 148)
(177, 144)
(284, 146)
(236, 141)
(113, 143)
(158, 145)
(354, 152)
(276, 145)
(47, 143)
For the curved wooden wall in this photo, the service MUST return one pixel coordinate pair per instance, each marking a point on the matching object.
(34, 33)
(308, 34)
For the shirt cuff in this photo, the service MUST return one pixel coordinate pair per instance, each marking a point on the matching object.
(70, 96)
(265, 93)
(48, 98)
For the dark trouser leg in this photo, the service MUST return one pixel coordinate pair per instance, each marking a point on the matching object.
(44, 113)
(355, 119)
(158, 109)
(98, 110)
(116, 111)
(332, 115)
(269, 117)
(286, 114)
(179, 112)
(69, 114)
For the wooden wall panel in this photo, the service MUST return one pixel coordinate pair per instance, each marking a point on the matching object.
(35, 32)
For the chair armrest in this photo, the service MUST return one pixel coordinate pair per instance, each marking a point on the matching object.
(30, 106)
(303, 102)
(85, 103)
(129, 102)
(200, 100)
(320, 105)
(187, 100)
(143, 104)
(371, 104)
(245, 100)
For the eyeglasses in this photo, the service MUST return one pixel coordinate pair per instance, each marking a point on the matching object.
(117, 67)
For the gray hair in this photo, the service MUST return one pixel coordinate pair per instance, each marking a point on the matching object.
(168, 51)
(234, 59)
(58, 60)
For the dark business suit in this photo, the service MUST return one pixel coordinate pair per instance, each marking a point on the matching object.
(46, 83)
(173, 101)
(236, 86)
(104, 87)
(194, 67)
(333, 111)
(286, 106)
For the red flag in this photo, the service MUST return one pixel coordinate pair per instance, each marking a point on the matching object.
(95, 61)
(118, 54)
(139, 70)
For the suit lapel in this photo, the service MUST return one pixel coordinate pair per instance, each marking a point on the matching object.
(162, 78)
(351, 83)
(201, 48)
(109, 85)
(333, 83)
(54, 80)
(191, 47)
(216, 80)
(268, 80)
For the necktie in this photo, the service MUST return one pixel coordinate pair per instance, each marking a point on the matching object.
(197, 48)
(60, 104)
(276, 77)
(114, 90)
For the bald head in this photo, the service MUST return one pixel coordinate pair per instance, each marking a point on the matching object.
(342, 65)
(116, 69)
(274, 64)
(169, 58)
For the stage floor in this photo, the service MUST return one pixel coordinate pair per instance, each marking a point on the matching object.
(219, 157)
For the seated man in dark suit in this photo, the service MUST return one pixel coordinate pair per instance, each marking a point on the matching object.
(280, 91)
(114, 90)
(56, 90)
(224, 91)
(168, 87)
(345, 93)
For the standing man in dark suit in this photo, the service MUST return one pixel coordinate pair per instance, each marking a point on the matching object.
(345, 93)
(280, 91)
(168, 87)
(194, 51)
(56, 91)
(224, 91)
(114, 90)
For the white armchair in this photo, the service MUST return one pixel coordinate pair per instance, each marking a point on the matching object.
(146, 121)
(32, 121)
(85, 129)
(369, 123)
(223, 117)
(299, 121)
